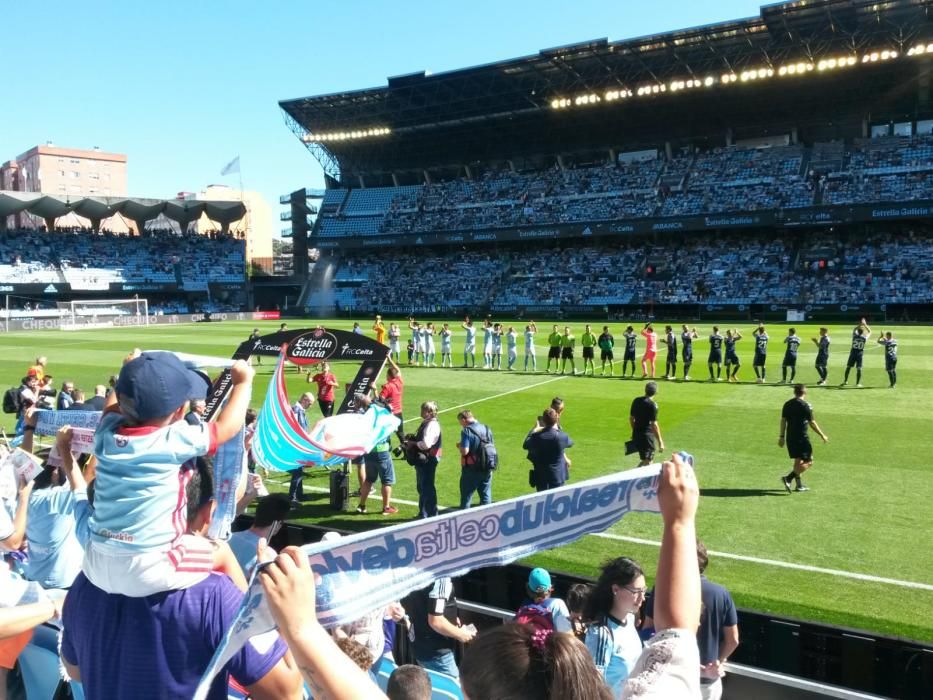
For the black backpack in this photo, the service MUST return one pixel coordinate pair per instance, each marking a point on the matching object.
(12, 400)
(487, 457)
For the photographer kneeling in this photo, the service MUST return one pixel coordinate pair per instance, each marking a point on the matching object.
(422, 451)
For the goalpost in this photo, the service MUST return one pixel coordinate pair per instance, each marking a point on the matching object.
(82, 314)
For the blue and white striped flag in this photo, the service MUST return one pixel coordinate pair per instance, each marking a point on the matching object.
(281, 444)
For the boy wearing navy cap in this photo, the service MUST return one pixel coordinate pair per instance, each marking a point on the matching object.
(138, 544)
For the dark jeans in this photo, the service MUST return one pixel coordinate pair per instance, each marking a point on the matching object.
(542, 485)
(401, 426)
(295, 487)
(473, 480)
(327, 407)
(427, 493)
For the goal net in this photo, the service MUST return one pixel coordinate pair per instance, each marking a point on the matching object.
(103, 313)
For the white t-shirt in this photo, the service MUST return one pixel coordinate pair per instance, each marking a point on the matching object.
(529, 339)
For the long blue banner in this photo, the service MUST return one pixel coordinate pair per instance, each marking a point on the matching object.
(367, 571)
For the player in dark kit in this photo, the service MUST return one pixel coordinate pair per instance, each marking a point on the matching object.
(670, 340)
(643, 419)
(822, 355)
(790, 355)
(890, 356)
(686, 338)
(732, 360)
(796, 417)
(630, 337)
(715, 355)
(860, 337)
(761, 353)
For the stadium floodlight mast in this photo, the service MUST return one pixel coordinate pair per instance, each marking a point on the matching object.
(82, 314)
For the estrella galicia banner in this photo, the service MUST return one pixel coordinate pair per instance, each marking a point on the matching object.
(367, 571)
(308, 346)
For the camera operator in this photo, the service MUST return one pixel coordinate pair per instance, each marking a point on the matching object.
(423, 451)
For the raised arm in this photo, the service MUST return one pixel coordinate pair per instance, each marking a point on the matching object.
(69, 465)
(677, 585)
(233, 415)
(31, 417)
(15, 539)
(289, 586)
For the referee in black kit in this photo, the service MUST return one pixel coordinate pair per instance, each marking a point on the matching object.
(643, 419)
(796, 416)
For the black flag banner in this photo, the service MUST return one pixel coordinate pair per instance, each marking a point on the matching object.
(309, 346)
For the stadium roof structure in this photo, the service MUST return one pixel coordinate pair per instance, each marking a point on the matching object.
(183, 211)
(546, 101)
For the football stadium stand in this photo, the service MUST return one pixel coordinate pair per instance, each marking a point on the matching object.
(732, 179)
(170, 269)
(721, 268)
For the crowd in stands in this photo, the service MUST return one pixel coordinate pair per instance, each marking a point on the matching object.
(737, 178)
(888, 169)
(736, 268)
(91, 261)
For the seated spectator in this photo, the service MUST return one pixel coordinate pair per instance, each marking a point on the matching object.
(611, 635)
(539, 590)
(270, 515)
(356, 652)
(409, 682)
(529, 660)
(578, 596)
(435, 635)
(55, 552)
(166, 640)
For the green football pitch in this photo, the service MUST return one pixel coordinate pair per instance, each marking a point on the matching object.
(853, 551)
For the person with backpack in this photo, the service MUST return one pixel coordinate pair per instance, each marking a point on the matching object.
(478, 460)
(18, 399)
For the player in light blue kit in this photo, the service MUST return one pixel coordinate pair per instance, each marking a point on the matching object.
(445, 333)
(511, 339)
(469, 347)
(530, 352)
(487, 343)
(497, 346)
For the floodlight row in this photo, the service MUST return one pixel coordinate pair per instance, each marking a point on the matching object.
(795, 68)
(347, 135)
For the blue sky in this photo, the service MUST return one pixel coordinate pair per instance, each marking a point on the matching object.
(182, 87)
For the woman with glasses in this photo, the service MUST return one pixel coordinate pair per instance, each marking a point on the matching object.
(612, 638)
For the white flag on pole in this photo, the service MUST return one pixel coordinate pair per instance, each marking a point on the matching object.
(232, 167)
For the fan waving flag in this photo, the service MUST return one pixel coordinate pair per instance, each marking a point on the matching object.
(281, 444)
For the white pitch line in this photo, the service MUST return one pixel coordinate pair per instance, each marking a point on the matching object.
(725, 555)
(499, 396)
(785, 564)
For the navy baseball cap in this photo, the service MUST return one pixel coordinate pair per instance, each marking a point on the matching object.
(155, 384)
